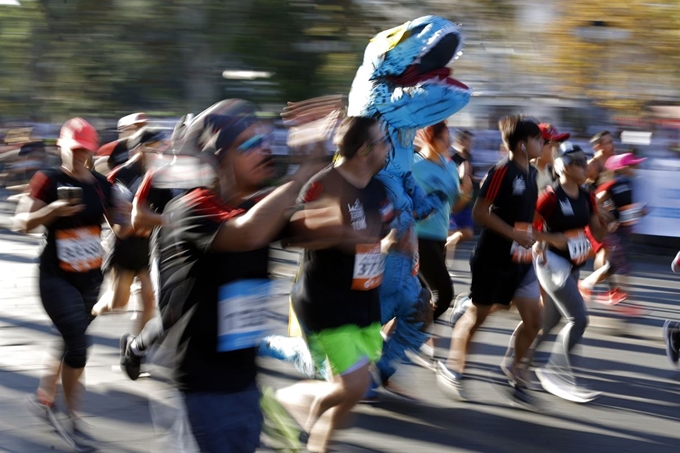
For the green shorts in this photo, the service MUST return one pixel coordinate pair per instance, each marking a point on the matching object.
(346, 346)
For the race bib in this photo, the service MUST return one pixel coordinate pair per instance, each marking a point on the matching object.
(579, 246)
(519, 253)
(79, 249)
(242, 319)
(369, 265)
(631, 214)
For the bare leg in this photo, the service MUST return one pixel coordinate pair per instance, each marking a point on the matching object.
(463, 333)
(602, 271)
(47, 388)
(70, 378)
(531, 312)
(122, 280)
(148, 300)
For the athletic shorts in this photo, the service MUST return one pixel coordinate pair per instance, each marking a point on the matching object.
(494, 284)
(346, 347)
(461, 220)
(131, 253)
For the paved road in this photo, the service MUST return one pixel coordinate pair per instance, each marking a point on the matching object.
(638, 412)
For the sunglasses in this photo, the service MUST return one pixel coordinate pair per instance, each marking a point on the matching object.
(257, 141)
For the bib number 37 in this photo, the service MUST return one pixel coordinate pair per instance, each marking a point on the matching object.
(369, 265)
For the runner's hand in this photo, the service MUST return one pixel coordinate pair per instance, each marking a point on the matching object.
(62, 208)
(296, 113)
(559, 241)
(388, 241)
(523, 238)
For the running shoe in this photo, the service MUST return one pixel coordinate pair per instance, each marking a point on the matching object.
(129, 362)
(450, 382)
(675, 265)
(521, 395)
(554, 384)
(293, 350)
(617, 295)
(517, 377)
(671, 335)
(279, 424)
(40, 410)
(423, 356)
(460, 306)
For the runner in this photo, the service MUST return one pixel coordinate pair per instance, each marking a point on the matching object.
(213, 258)
(434, 172)
(671, 329)
(565, 208)
(345, 214)
(617, 195)
(603, 146)
(461, 227)
(116, 153)
(544, 162)
(71, 202)
(501, 263)
(129, 257)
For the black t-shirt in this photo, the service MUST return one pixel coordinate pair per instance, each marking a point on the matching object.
(512, 192)
(191, 277)
(336, 287)
(563, 214)
(73, 244)
(620, 190)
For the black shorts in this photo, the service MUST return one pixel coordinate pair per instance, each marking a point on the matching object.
(497, 283)
(131, 254)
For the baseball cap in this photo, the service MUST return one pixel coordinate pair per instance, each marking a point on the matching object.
(78, 133)
(549, 133)
(148, 135)
(132, 119)
(622, 160)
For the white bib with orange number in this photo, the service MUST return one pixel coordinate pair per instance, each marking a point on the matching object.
(79, 249)
(630, 214)
(369, 266)
(579, 246)
(519, 253)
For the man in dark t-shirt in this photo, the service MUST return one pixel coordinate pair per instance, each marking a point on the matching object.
(213, 280)
(501, 263)
(343, 218)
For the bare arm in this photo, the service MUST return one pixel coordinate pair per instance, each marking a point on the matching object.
(143, 217)
(32, 213)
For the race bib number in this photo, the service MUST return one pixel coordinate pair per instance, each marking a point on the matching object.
(631, 214)
(520, 254)
(369, 265)
(242, 319)
(79, 249)
(579, 246)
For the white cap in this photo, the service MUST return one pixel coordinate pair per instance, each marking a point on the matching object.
(132, 119)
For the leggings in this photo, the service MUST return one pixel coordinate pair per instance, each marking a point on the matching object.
(434, 274)
(565, 300)
(68, 303)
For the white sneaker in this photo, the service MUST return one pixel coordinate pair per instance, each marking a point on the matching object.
(423, 357)
(556, 385)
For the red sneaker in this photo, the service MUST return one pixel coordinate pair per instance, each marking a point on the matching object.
(633, 311)
(616, 296)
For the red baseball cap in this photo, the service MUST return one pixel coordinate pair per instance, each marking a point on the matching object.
(549, 133)
(78, 133)
(622, 160)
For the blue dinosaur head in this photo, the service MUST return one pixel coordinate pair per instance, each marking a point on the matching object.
(404, 76)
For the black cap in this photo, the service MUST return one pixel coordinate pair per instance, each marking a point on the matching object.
(568, 148)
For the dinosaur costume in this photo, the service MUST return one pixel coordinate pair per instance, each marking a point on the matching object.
(404, 81)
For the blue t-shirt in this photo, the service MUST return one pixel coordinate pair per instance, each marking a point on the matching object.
(432, 177)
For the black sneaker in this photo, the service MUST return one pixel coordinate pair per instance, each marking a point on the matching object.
(672, 337)
(450, 382)
(129, 362)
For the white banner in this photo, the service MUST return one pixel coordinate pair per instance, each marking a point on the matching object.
(660, 189)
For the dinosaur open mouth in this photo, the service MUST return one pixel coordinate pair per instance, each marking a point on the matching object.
(432, 64)
(412, 77)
